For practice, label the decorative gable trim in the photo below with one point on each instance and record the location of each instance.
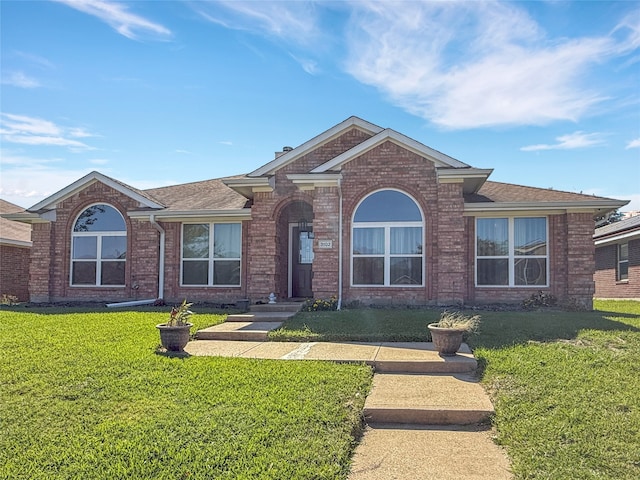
(50, 203)
(309, 181)
(439, 159)
(332, 133)
(471, 178)
(246, 186)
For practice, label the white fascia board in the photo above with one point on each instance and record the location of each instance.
(28, 217)
(315, 142)
(626, 236)
(487, 208)
(194, 215)
(438, 158)
(247, 186)
(15, 243)
(50, 203)
(472, 178)
(307, 181)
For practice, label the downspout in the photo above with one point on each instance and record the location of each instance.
(155, 224)
(340, 245)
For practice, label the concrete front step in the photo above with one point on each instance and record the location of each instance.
(246, 331)
(434, 399)
(276, 307)
(260, 317)
(421, 357)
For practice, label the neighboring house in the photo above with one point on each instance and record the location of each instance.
(358, 212)
(15, 246)
(618, 259)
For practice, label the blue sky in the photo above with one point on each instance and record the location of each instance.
(156, 93)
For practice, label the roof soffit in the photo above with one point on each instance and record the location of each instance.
(247, 186)
(334, 132)
(50, 202)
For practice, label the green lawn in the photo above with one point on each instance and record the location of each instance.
(566, 385)
(85, 395)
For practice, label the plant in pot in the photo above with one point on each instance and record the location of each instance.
(448, 332)
(174, 335)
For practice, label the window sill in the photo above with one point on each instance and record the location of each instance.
(622, 282)
(527, 287)
(98, 286)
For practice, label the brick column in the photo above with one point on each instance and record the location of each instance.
(580, 260)
(40, 264)
(326, 207)
(261, 252)
(450, 275)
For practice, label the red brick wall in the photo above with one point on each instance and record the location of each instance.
(606, 268)
(51, 253)
(570, 265)
(400, 169)
(174, 293)
(14, 271)
(268, 250)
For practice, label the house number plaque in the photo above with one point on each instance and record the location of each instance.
(325, 243)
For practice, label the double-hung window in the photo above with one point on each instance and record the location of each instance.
(622, 272)
(511, 251)
(211, 254)
(387, 241)
(99, 247)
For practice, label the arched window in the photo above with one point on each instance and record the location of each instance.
(387, 241)
(99, 247)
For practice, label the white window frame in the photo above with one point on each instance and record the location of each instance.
(387, 255)
(511, 256)
(98, 260)
(210, 259)
(619, 262)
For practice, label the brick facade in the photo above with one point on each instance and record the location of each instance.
(448, 242)
(14, 271)
(607, 284)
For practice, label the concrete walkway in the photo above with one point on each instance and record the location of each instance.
(424, 415)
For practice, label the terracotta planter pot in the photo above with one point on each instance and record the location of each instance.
(174, 339)
(446, 340)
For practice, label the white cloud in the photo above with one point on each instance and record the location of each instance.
(569, 142)
(99, 161)
(635, 143)
(117, 17)
(24, 130)
(293, 21)
(27, 180)
(19, 79)
(472, 64)
(634, 203)
(308, 65)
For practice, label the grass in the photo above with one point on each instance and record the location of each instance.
(565, 384)
(86, 395)
(567, 404)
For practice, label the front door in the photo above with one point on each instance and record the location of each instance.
(301, 261)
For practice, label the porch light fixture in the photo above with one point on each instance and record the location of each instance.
(303, 225)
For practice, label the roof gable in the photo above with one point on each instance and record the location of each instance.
(439, 159)
(327, 136)
(50, 202)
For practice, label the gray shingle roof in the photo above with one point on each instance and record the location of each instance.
(11, 230)
(205, 195)
(496, 192)
(628, 224)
